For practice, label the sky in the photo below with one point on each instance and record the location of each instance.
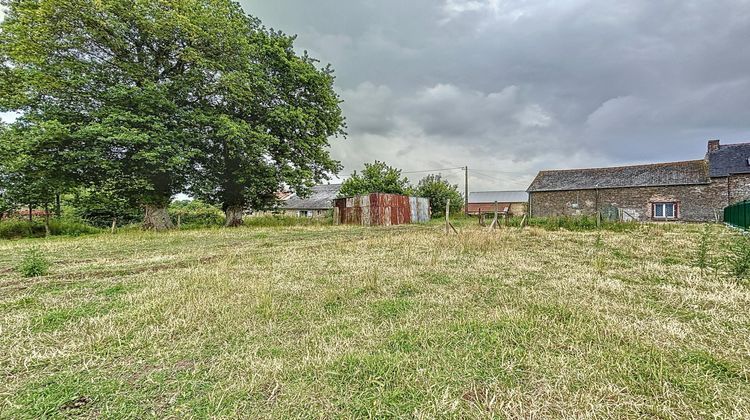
(513, 87)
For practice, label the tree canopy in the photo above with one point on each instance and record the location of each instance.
(439, 191)
(376, 177)
(150, 98)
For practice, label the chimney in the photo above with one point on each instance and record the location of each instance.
(713, 145)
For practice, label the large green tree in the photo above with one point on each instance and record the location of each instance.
(376, 177)
(269, 129)
(152, 97)
(439, 191)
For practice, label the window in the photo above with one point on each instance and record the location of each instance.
(665, 210)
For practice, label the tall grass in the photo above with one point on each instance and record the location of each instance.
(18, 228)
(282, 221)
(574, 223)
(315, 322)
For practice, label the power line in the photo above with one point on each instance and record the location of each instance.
(433, 170)
(418, 172)
(499, 172)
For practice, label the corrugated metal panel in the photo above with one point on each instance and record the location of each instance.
(420, 209)
(381, 210)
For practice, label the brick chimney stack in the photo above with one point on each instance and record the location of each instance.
(713, 145)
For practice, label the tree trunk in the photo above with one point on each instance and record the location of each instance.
(156, 218)
(234, 216)
(46, 221)
(58, 206)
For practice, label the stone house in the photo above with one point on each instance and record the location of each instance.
(695, 191)
(318, 204)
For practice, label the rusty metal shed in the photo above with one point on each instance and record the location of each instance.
(379, 209)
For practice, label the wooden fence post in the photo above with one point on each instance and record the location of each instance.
(523, 222)
(448, 224)
(114, 225)
(495, 224)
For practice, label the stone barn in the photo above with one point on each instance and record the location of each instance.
(695, 190)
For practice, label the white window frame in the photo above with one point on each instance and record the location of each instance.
(663, 206)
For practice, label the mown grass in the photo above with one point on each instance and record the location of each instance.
(323, 321)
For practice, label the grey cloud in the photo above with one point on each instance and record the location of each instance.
(519, 86)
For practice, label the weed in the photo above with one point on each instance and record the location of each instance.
(737, 257)
(598, 243)
(33, 264)
(701, 255)
(600, 263)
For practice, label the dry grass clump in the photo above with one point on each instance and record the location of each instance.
(319, 321)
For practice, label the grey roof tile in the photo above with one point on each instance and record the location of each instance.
(659, 174)
(321, 198)
(730, 159)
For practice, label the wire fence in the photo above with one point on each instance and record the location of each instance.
(738, 214)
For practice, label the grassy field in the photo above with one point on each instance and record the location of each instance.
(316, 321)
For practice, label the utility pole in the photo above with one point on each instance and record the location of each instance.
(466, 190)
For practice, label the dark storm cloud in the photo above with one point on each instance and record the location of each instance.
(517, 86)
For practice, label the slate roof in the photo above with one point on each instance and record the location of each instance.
(499, 196)
(730, 159)
(320, 198)
(660, 174)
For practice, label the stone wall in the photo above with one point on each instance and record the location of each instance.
(694, 202)
(739, 188)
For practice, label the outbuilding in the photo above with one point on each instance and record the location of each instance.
(380, 209)
(694, 190)
(511, 203)
(317, 204)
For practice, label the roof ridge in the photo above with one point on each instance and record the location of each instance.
(625, 166)
(734, 144)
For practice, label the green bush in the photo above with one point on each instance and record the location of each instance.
(439, 191)
(195, 214)
(33, 264)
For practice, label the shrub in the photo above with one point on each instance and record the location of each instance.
(702, 256)
(195, 213)
(17, 228)
(33, 264)
(737, 257)
(439, 191)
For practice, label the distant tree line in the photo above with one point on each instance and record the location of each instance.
(379, 177)
(131, 102)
